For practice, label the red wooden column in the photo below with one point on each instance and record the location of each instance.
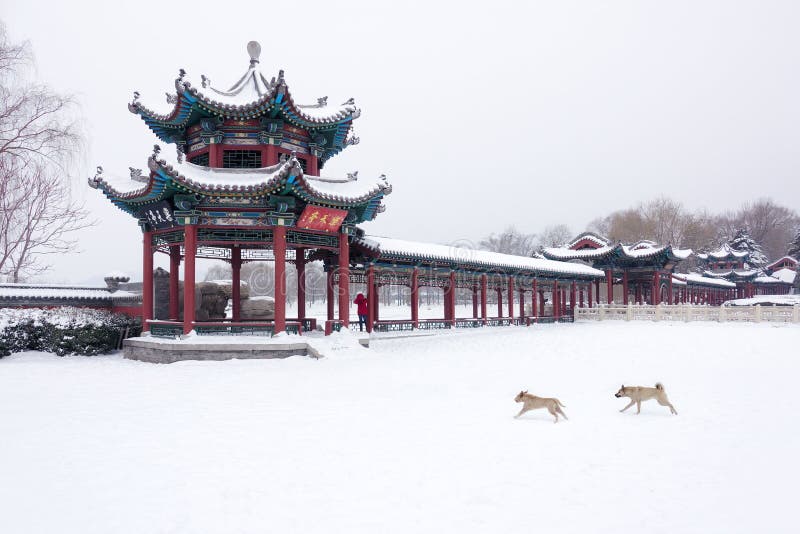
(534, 297)
(174, 265)
(511, 297)
(484, 289)
(453, 296)
(637, 293)
(521, 303)
(609, 287)
(474, 302)
(656, 293)
(589, 294)
(625, 287)
(190, 251)
(300, 265)
(572, 292)
(372, 297)
(597, 290)
(236, 281)
(499, 302)
(279, 248)
(147, 280)
(446, 302)
(670, 293)
(344, 279)
(556, 291)
(415, 297)
(329, 293)
(376, 309)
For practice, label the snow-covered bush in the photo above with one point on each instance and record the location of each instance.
(63, 331)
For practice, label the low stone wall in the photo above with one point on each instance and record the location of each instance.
(155, 350)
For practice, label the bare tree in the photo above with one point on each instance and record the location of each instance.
(768, 223)
(555, 235)
(510, 241)
(39, 139)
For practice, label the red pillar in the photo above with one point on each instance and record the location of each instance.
(372, 297)
(279, 248)
(534, 296)
(415, 297)
(499, 302)
(625, 287)
(484, 289)
(597, 291)
(572, 291)
(511, 297)
(190, 251)
(147, 280)
(300, 265)
(556, 291)
(344, 279)
(670, 293)
(521, 303)
(329, 293)
(474, 302)
(452, 301)
(589, 293)
(637, 293)
(609, 287)
(656, 293)
(236, 280)
(446, 302)
(174, 265)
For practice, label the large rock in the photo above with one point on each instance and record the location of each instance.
(258, 309)
(227, 287)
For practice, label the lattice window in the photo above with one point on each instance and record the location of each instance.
(200, 159)
(241, 159)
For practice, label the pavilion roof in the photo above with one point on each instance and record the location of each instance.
(252, 96)
(741, 275)
(723, 253)
(775, 263)
(169, 177)
(590, 237)
(619, 253)
(482, 260)
(781, 276)
(697, 279)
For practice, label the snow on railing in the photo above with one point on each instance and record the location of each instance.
(688, 312)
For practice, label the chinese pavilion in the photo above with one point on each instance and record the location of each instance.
(244, 185)
(644, 270)
(728, 264)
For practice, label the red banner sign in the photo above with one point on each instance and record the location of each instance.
(318, 218)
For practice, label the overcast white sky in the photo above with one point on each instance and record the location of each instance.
(482, 114)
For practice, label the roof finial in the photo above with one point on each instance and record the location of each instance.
(254, 49)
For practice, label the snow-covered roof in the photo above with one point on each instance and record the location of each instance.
(260, 181)
(62, 292)
(252, 95)
(599, 240)
(481, 259)
(735, 273)
(693, 278)
(724, 252)
(781, 276)
(786, 259)
(618, 250)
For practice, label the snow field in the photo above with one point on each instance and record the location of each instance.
(412, 435)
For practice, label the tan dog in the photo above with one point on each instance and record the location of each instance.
(532, 402)
(637, 394)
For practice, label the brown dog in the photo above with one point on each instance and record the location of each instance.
(532, 402)
(637, 394)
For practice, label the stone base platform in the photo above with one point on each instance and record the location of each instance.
(159, 350)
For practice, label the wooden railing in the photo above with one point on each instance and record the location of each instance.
(688, 312)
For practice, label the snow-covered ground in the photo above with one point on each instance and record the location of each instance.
(413, 435)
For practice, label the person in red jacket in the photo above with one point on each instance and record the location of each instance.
(361, 302)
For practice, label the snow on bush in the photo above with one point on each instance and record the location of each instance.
(65, 330)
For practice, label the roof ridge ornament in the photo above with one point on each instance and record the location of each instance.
(205, 81)
(254, 49)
